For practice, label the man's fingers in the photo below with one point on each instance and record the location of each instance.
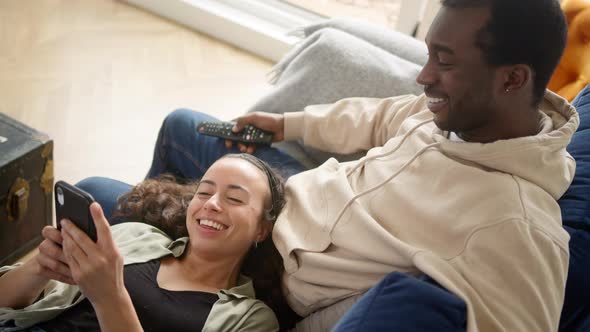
(244, 148)
(240, 123)
(237, 127)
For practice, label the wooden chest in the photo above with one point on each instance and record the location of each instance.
(26, 188)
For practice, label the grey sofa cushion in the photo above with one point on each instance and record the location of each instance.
(403, 46)
(332, 63)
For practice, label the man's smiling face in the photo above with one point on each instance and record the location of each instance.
(457, 80)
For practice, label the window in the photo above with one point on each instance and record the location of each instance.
(262, 26)
(383, 12)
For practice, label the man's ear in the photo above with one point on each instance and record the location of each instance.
(516, 77)
(264, 231)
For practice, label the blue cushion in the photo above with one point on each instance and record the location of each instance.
(404, 303)
(575, 203)
(575, 211)
(575, 316)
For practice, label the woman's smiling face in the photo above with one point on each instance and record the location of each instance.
(224, 218)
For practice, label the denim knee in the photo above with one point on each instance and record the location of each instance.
(181, 119)
(90, 183)
(180, 123)
(105, 191)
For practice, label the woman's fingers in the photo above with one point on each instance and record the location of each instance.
(50, 261)
(103, 228)
(73, 253)
(57, 268)
(51, 250)
(57, 276)
(97, 268)
(81, 239)
(51, 233)
(51, 258)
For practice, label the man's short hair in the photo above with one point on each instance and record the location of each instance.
(531, 32)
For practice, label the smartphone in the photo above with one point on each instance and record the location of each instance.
(73, 203)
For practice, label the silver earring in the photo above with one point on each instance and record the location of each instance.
(255, 245)
(507, 90)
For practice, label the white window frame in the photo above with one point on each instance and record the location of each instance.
(258, 26)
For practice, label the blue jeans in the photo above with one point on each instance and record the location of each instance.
(106, 192)
(183, 152)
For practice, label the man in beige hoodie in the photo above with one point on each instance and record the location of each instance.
(459, 184)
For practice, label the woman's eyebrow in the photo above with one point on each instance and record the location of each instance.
(235, 186)
(230, 186)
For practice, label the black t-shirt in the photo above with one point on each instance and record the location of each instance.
(158, 309)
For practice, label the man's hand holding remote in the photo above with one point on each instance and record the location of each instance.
(274, 123)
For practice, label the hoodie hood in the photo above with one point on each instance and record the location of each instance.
(541, 159)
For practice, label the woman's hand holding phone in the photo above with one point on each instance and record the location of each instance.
(70, 202)
(97, 267)
(50, 260)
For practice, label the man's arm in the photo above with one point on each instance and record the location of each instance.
(347, 126)
(351, 125)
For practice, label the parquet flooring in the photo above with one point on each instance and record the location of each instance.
(99, 76)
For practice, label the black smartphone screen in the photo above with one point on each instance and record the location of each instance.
(74, 204)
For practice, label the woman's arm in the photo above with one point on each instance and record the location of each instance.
(117, 314)
(21, 286)
(97, 268)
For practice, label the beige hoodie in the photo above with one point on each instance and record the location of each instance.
(480, 219)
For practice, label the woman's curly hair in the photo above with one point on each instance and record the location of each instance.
(162, 202)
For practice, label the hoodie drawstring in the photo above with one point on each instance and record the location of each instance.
(367, 191)
(401, 142)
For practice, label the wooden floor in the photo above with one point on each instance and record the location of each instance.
(100, 75)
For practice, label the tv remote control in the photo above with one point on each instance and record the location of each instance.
(249, 134)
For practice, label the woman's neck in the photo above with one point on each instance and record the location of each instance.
(197, 272)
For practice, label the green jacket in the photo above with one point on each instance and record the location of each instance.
(236, 310)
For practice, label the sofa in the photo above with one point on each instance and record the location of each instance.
(342, 58)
